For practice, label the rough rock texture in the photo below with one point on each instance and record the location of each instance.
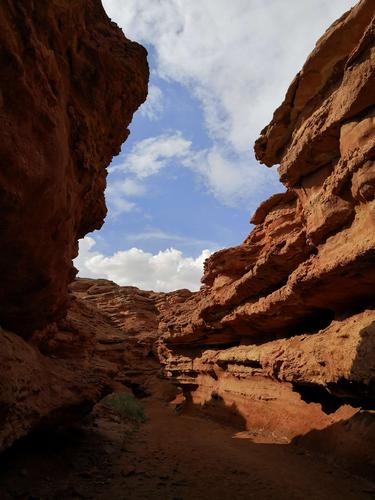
(135, 314)
(285, 387)
(306, 390)
(70, 83)
(283, 329)
(55, 379)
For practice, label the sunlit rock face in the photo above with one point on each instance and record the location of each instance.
(283, 329)
(70, 83)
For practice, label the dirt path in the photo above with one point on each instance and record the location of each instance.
(170, 457)
(190, 457)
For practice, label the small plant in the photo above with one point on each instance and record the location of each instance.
(126, 405)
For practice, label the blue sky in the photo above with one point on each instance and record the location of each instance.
(186, 181)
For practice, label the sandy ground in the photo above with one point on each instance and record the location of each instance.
(184, 456)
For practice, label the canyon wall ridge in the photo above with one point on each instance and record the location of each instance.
(70, 83)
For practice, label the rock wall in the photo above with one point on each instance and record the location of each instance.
(70, 83)
(56, 378)
(136, 315)
(283, 330)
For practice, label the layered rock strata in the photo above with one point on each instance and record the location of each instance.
(282, 331)
(70, 83)
(284, 387)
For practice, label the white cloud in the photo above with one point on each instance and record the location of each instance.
(165, 271)
(149, 156)
(154, 105)
(131, 187)
(118, 193)
(231, 179)
(237, 57)
(158, 234)
(146, 158)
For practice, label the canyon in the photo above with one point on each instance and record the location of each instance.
(277, 348)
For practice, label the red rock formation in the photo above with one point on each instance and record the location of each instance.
(282, 386)
(283, 329)
(135, 316)
(309, 384)
(70, 83)
(57, 378)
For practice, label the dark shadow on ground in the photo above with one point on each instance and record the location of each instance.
(349, 443)
(215, 409)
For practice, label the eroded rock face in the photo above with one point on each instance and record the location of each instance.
(285, 387)
(282, 330)
(70, 83)
(55, 379)
(134, 314)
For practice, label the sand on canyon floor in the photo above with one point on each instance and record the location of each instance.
(172, 456)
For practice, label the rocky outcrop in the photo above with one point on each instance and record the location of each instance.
(70, 83)
(55, 379)
(282, 331)
(285, 387)
(134, 314)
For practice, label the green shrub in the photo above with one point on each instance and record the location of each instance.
(126, 405)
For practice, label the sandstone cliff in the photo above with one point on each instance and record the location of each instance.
(70, 83)
(282, 330)
(135, 314)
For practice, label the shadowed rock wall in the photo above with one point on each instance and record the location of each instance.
(70, 83)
